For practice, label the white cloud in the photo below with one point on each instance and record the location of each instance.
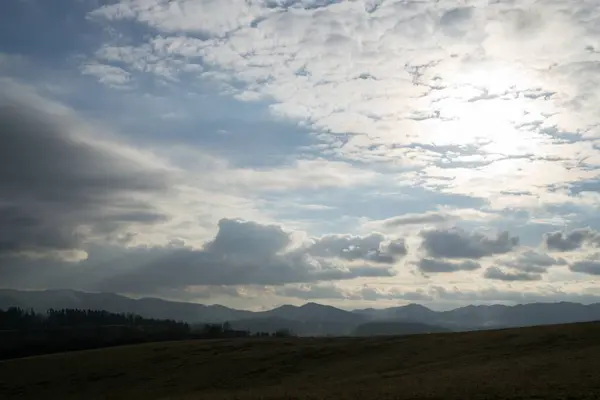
(212, 17)
(107, 74)
(443, 217)
(510, 276)
(486, 75)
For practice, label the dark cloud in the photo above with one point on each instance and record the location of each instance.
(585, 186)
(533, 262)
(498, 274)
(456, 243)
(374, 248)
(435, 266)
(456, 22)
(247, 239)
(590, 267)
(573, 240)
(303, 4)
(57, 189)
(242, 253)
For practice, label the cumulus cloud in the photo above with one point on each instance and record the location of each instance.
(60, 186)
(573, 240)
(241, 253)
(374, 247)
(531, 261)
(435, 266)
(590, 266)
(499, 274)
(457, 243)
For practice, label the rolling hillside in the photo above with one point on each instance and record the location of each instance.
(551, 362)
(386, 328)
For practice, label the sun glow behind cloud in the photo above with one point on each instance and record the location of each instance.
(487, 107)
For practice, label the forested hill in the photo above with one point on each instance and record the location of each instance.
(25, 333)
(16, 318)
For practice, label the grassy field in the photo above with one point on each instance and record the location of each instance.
(553, 362)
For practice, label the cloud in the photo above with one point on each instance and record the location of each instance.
(107, 74)
(247, 239)
(573, 240)
(312, 292)
(60, 186)
(443, 297)
(203, 17)
(457, 243)
(353, 293)
(590, 266)
(417, 219)
(371, 293)
(301, 174)
(531, 261)
(529, 295)
(368, 127)
(374, 248)
(443, 217)
(429, 265)
(241, 253)
(499, 274)
(471, 108)
(165, 58)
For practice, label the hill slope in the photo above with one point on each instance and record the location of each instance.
(383, 328)
(551, 362)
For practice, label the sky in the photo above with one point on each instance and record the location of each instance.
(253, 153)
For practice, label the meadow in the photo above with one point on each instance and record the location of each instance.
(549, 362)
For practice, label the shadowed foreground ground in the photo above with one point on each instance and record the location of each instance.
(555, 362)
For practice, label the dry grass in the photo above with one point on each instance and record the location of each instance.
(556, 362)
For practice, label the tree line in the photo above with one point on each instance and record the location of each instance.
(218, 331)
(16, 318)
(26, 332)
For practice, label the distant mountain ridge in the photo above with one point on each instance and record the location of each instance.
(310, 318)
(494, 316)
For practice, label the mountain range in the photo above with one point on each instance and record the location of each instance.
(313, 318)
